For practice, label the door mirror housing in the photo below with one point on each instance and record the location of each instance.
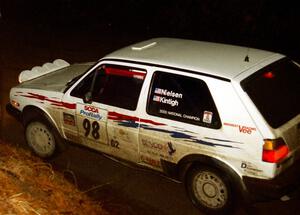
(88, 98)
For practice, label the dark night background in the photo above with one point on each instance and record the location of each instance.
(265, 24)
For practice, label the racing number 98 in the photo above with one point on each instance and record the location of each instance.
(92, 128)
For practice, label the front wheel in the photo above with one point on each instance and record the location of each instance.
(209, 190)
(41, 138)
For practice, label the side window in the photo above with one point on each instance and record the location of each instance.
(84, 86)
(113, 85)
(183, 99)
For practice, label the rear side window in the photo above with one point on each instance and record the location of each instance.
(113, 85)
(183, 99)
(275, 90)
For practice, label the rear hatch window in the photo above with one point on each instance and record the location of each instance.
(275, 90)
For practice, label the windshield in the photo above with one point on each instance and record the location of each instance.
(275, 90)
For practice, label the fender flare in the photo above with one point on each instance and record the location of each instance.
(32, 111)
(179, 171)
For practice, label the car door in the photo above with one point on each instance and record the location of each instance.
(88, 124)
(106, 109)
(182, 117)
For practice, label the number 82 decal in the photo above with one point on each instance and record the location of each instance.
(91, 128)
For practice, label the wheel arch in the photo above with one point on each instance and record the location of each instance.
(30, 111)
(191, 161)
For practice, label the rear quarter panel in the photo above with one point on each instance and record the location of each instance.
(239, 129)
(238, 143)
(289, 131)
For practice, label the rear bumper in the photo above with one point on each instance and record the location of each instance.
(286, 183)
(14, 112)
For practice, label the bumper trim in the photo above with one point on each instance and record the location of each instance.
(273, 189)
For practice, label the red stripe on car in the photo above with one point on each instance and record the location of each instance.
(118, 116)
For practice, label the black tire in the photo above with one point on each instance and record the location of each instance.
(42, 137)
(210, 190)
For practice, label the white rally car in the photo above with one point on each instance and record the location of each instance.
(223, 119)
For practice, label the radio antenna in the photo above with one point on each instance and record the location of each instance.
(247, 56)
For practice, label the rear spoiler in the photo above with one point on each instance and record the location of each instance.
(38, 71)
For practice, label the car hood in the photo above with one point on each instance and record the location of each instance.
(57, 80)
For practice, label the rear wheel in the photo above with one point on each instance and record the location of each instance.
(42, 138)
(210, 190)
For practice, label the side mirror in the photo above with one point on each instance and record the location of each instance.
(88, 98)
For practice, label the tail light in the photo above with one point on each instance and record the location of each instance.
(274, 150)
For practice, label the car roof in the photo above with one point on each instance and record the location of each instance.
(216, 59)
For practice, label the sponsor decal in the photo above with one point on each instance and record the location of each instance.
(249, 168)
(91, 108)
(176, 114)
(69, 119)
(150, 161)
(157, 154)
(172, 113)
(91, 112)
(195, 118)
(207, 117)
(245, 129)
(52, 101)
(159, 149)
(241, 128)
(171, 148)
(153, 145)
(115, 144)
